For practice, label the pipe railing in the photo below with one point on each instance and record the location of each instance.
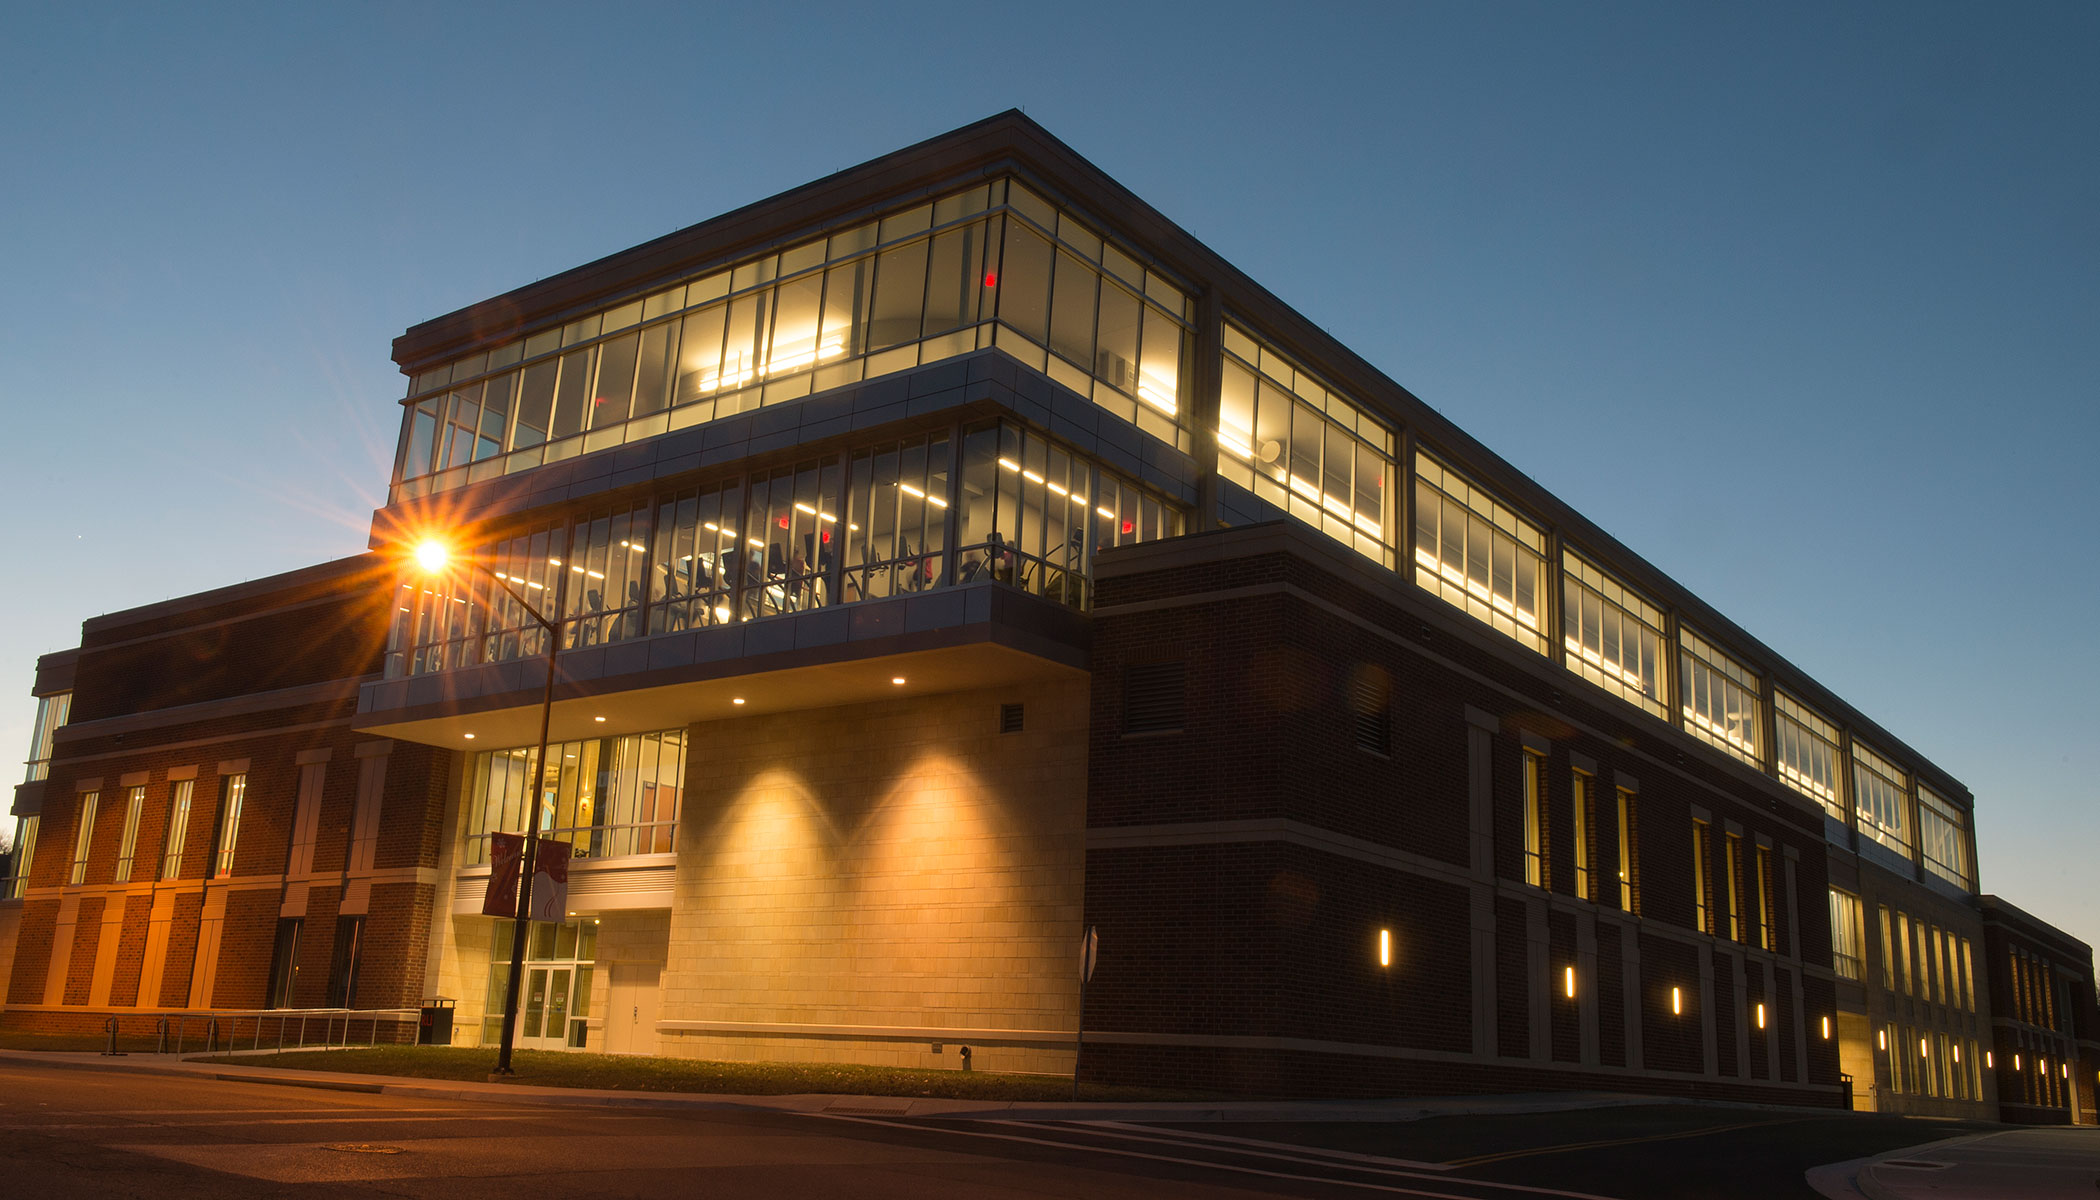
(228, 1028)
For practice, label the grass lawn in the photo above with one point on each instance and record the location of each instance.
(550, 1068)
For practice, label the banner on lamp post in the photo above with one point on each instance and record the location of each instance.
(506, 859)
(550, 880)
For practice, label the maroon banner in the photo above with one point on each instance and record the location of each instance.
(506, 859)
(550, 880)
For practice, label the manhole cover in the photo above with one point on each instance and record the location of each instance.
(362, 1148)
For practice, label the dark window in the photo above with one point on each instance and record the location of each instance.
(1010, 718)
(343, 965)
(1153, 697)
(284, 963)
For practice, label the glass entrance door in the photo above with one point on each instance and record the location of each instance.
(554, 1004)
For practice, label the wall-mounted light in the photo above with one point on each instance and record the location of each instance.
(1881, 1039)
(1989, 1060)
(1957, 1052)
(1924, 1048)
(1826, 1029)
(1760, 1016)
(1676, 1002)
(1568, 981)
(1385, 947)
(2016, 1062)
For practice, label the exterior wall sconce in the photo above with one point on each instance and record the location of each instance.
(1385, 947)
(1568, 981)
(1826, 1029)
(1760, 1016)
(1676, 1002)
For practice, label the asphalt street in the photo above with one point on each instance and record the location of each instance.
(126, 1133)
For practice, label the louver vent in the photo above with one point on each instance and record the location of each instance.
(1370, 708)
(1152, 697)
(1009, 718)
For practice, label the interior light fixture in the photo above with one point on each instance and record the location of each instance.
(600, 720)
(736, 700)
(898, 680)
(470, 737)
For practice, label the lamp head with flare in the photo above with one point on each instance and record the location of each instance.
(432, 555)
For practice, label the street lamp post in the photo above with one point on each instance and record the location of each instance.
(434, 557)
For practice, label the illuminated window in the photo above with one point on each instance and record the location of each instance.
(1478, 555)
(1702, 851)
(1847, 937)
(83, 833)
(1880, 791)
(1614, 637)
(178, 830)
(1582, 810)
(127, 846)
(1292, 440)
(1888, 952)
(1720, 698)
(1807, 753)
(1629, 865)
(607, 797)
(1534, 823)
(1943, 836)
(233, 789)
(1903, 952)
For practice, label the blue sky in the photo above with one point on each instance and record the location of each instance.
(1802, 302)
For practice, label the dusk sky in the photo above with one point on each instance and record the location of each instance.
(1801, 302)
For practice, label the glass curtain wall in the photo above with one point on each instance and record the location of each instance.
(1881, 791)
(1720, 698)
(1943, 835)
(914, 287)
(1286, 436)
(1807, 753)
(869, 523)
(1478, 555)
(1614, 635)
(607, 797)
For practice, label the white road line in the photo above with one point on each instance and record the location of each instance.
(1310, 1155)
(1348, 1155)
(1361, 1185)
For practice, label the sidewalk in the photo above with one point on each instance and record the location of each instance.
(2043, 1163)
(1410, 1109)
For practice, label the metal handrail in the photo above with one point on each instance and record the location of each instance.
(291, 1025)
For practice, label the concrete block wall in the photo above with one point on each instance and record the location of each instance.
(899, 866)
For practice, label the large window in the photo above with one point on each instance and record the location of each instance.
(1534, 819)
(872, 522)
(606, 797)
(1847, 936)
(992, 264)
(1720, 698)
(178, 830)
(1292, 440)
(1807, 753)
(233, 789)
(14, 878)
(50, 714)
(83, 835)
(1881, 792)
(1702, 856)
(1629, 844)
(1477, 554)
(127, 846)
(1943, 834)
(1614, 636)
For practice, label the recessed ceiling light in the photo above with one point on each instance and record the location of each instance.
(737, 700)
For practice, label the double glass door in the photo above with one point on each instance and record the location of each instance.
(554, 1005)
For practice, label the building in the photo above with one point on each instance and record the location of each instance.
(2045, 1031)
(952, 555)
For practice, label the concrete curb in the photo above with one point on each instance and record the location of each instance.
(1413, 1108)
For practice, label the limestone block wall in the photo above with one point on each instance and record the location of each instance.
(858, 883)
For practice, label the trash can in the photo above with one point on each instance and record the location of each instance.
(435, 1029)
